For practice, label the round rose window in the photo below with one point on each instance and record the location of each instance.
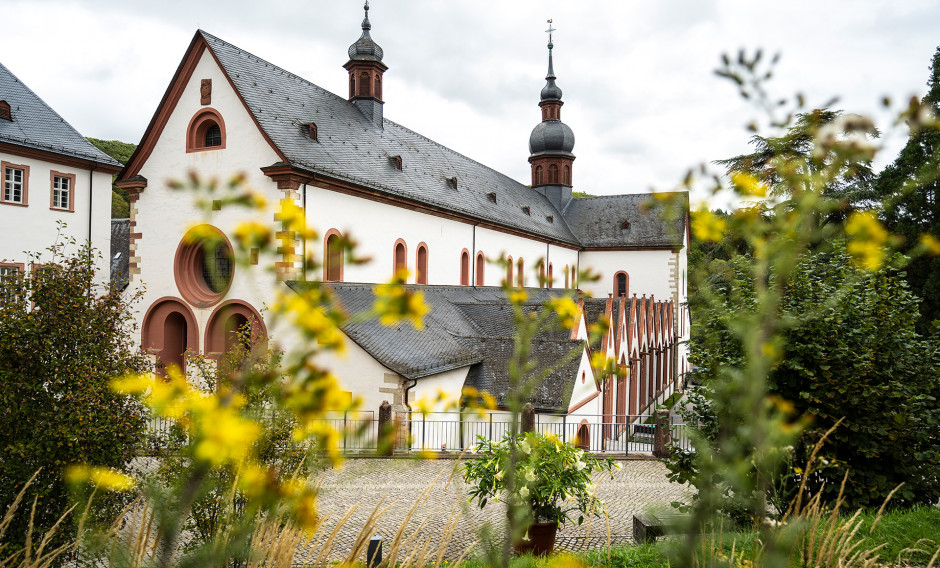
(203, 266)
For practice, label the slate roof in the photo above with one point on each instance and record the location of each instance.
(467, 326)
(598, 222)
(35, 125)
(351, 148)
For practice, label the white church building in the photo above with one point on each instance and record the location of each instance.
(411, 203)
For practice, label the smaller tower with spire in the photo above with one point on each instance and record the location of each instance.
(365, 73)
(551, 142)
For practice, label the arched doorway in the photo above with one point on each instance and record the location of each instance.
(169, 330)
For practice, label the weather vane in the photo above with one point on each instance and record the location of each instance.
(549, 32)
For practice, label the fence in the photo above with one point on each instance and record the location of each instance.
(458, 431)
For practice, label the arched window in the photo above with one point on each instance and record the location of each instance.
(621, 284)
(509, 267)
(584, 436)
(352, 86)
(566, 276)
(538, 175)
(567, 180)
(421, 264)
(333, 253)
(206, 131)
(541, 275)
(574, 277)
(465, 268)
(400, 257)
(378, 86)
(365, 86)
(520, 273)
(553, 174)
(481, 264)
(227, 325)
(551, 277)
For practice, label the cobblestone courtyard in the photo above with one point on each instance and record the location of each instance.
(640, 485)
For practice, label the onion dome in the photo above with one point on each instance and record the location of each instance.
(551, 136)
(365, 49)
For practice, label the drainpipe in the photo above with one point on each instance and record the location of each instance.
(408, 388)
(473, 258)
(91, 175)
(545, 269)
(303, 246)
(578, 269)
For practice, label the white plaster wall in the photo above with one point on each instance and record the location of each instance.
(376, 227)
(34, 228)
(648, 270)
(164, 215)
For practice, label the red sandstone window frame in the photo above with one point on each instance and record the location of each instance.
(189, 262)
(19, 268)
(464, 267)
(549, 281)
(481, 265)
(196, 131)
(70, 206)
(520, 272)
(399, 257)
(333, 260)
(24, 190)
(566, 276)
(509, 270)
(626, 275)
(421, 263)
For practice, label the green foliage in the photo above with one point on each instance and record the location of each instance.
(910, 188)
(122, 152)
(582, 194)
(853, 353)
(552, 478)
(61, 342)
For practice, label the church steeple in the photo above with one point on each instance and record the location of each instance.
(365, 73)
(551, 142)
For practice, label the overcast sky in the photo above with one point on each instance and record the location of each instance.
(638, 77)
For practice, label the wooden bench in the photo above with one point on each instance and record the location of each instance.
(648, 526)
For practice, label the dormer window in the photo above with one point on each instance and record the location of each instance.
(453, 182)
(526, 210)
(5, 111)
(491, 196)
(624, 225)
(312, 131)
(206, 131)
(550, 218)
(395, 161)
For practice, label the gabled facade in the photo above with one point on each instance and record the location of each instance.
(51, 175)
(408, 202)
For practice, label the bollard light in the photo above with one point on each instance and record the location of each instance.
(374, 552)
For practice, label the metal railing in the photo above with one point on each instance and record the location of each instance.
(458, 431)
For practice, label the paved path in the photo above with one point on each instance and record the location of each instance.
(640, 485)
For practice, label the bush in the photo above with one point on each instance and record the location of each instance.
(60, 345)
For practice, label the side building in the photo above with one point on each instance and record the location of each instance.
(51, 176)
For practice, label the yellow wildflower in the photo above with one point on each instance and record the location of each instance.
(567, 310)
(252, 234)
(931, 243)
(746, 184)
(394, 302)
(867, 237)
(518, 296)
(706, 226)
(101, 477)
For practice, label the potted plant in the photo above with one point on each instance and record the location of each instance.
(548, 479)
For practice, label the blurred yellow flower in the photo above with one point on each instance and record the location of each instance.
(706, 226)
(931, 243)
(867, 238)
(567, 310)
(746, 184)
(101, 477)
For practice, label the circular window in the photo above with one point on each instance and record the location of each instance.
(204, 266)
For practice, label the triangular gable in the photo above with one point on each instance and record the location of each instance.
(171, 97)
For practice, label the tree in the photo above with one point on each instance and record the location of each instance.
(911, 189)
(809, 148)
(122, 152)
(854, 355)
(60, 345)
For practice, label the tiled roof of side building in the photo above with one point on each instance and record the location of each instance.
(35, 125)
(467, 326)
(352, 149)
(624, 221)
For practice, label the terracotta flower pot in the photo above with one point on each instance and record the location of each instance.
(541, 540)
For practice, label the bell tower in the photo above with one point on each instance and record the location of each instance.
(365, 73)
(551, 142)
